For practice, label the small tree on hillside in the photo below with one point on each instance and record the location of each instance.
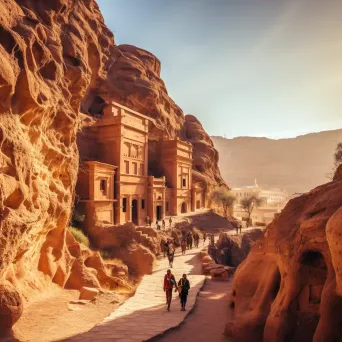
(337, 161)
(248, 204)
(223, 198)
(338, 156)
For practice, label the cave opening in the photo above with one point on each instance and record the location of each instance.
(97, 106)
(312, 275)
(313, 259)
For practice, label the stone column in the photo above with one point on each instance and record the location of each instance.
(129, 209)
(193, 198)
(139, 212)
(164, 203)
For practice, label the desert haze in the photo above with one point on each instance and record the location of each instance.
(296, 165)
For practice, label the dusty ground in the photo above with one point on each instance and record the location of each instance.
(51, 317)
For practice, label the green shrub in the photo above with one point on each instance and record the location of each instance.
(79, 236)
(106, 253)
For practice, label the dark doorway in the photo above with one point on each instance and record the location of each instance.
(184, 209)
(135, 211)
(198, 204)
(159, 212)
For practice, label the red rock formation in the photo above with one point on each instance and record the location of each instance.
(290, 286)
(51, 53)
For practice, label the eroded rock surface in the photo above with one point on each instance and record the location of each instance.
(289, 287)
(231, 250)
(51, 53)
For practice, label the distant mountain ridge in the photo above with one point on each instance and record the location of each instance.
(295, 164)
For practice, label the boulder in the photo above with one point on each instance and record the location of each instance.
(219, 274)
(88, 293)
(11, 307)
(206, 259)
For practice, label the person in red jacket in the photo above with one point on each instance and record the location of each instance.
(169, 283)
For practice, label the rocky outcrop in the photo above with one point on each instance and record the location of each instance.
(231, 250)
(205, 156)
(52, 53)
(290, 286)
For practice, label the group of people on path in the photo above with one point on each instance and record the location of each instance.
(182, 288)
(239, 228)
(148, 223)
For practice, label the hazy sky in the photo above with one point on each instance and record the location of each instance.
(243, 67)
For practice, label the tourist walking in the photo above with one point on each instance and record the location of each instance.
(170, 221)
(158, 226)
(147, 220)
(171, 253)
(183, 289)
(163, 224)
(150, 222)
(204, 238)
(165, 248)
(240, 228)
(183, 246)
(189, 240)
(237, 230)
(212, 239)
(196, 240)
(169, 283)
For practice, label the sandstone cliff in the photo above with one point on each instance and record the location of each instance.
(51, 53)
(290, 286)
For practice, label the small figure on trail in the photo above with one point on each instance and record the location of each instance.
(196, 240)
(237, 230)
(147, 220)
(212, 240)
(189, 240)
(163, 224)
(240, 228)
(150, 222)
(171, 253)
(183, 290)
(183, 246)
(158, 226)
(204, 238)
(165, 248)
(170, 221)
(169, 283)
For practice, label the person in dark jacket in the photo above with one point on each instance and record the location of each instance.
(183, 289)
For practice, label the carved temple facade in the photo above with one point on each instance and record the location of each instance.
(116, 188)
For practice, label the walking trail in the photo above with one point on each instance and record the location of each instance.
(207, 320)
(144, 315)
